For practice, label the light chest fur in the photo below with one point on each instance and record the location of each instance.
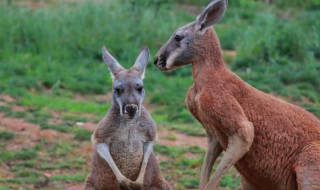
(126, 147)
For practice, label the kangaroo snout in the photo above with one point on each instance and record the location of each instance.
(160, 61)
(130, 109)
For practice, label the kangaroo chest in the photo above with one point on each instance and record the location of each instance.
(247, 166)
(210, 125)
(126, 149)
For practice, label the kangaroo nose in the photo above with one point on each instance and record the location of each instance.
(156, 59)
(131, 109)
(160, 61)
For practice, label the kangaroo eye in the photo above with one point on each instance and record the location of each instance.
(139, 88)
(178, 38)
(119, 90)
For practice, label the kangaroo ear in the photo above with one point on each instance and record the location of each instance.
(111, 62)
(142, 61)
(211, 14)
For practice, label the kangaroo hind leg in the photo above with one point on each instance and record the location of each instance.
(245, 185)
(89, 183)
(308, 168)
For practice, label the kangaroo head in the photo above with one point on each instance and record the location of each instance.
(187, 42)
(128, 91)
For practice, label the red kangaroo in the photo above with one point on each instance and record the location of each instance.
(273, 144)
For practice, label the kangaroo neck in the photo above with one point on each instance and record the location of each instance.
(207, 67)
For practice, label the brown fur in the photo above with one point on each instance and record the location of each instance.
(102, 177)
(285, 136)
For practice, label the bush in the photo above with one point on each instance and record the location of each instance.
(272, 41)
(6, 135)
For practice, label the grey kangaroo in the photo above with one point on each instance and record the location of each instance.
(123, 157)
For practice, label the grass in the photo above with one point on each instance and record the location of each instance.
(69, 177)
(186, 169)
(82, 134)
(5, 109)
(54, 55)
(24, 154)
(280, 52)
(64, 104)
(6, 135)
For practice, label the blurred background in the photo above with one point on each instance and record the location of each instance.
(54, 87)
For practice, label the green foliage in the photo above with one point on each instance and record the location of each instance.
(60, 149)
(26, 176)
(26, 154)
(18, 114)
(23, 154)
(190, 182)
(193, 130)
(26, 164)
(273, 40)
(5, 109)
(82, 134)
(6, 155)
(174, 151)
(57, 127)
(229, 181)
(73, 164)
(63, 104)
(76, 65)
(69, 177)
(6, 135)
(74, 118)
(310, 4)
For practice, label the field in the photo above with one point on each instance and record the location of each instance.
(54, 87)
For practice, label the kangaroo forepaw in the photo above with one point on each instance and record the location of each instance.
(135, 186)
(129, 185)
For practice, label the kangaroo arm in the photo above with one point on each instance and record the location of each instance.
(147, 152)
(103, 151)
(213, 151)
(238, 145)
(236, 127)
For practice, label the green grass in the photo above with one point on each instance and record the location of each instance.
(50, 60)
(82, 134)
(186, 168)
(74, 118)
(64, 104)
(25, 176)
(229, 181)
(26, 164)
(18, 114)
(23, 154)
(5, 109)
(193, 130)
(280, 52)
(71, 163)
(57, 127)
(178, 167)
(6, 135)
(60, 149)
(69, 177)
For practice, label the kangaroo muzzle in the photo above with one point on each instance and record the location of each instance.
(131, 109)
(160, 61)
